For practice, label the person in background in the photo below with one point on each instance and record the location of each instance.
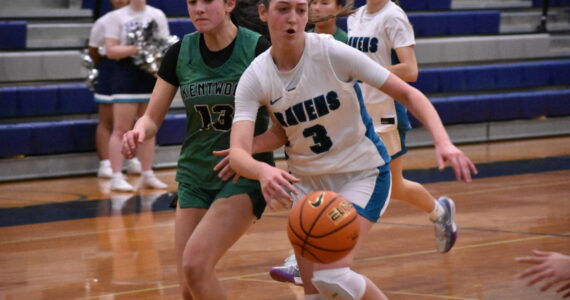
(379, 29)
(131, 88)
(103, 97)
(328, 11)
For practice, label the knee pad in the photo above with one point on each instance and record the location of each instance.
(341, 284)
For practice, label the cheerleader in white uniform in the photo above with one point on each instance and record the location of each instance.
(131, 88)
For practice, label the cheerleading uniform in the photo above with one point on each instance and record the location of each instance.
(131, 83)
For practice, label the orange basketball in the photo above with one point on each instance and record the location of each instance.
(323, 227)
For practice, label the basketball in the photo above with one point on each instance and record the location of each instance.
(323, 227)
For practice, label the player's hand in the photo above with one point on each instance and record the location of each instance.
(277, 184)
(225, 170)
(131, 139)
(551, 266)
(462, 166)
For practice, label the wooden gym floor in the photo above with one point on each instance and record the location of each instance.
(70, 238)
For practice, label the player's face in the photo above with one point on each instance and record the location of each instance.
(286, 18)
(119, 3)
(323, 8)
(208, 15)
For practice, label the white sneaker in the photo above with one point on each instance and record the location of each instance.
(119, 183)
(105, 170)
(134, 166)
(152, 182)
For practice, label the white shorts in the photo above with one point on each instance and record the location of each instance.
(368, 190)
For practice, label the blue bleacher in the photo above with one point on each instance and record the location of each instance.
(27, 101)
(59, 137)
(495, 76)
(63, 99)
(501, 106)
(13, 35)
(450, 23)
(538, 3)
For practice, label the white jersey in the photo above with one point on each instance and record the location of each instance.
(97, 35)
(376, 35)
(323, 116)
(125, 19)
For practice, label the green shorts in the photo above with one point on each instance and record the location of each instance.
(190, 195)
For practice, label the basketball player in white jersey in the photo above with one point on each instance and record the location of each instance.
(308, 83)
(377, 29)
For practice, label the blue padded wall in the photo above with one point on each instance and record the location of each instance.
(13, 34)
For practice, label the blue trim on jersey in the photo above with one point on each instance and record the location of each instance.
(131, 100)
(369, 124)
(380, 196)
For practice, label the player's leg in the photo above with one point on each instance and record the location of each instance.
(185, 222)
(441, 212)
(233, 211)
(102, 136)
(224, 223)
(124, 115)
(337, 278)
(369, 191)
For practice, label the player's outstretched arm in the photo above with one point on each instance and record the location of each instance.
(418, 104)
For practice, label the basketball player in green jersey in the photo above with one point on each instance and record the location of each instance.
(327, 12)
(211, 213)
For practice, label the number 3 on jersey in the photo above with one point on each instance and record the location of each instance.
(224, 113)
(323, 142)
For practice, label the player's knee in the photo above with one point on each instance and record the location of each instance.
(341, 283)
(194, 270)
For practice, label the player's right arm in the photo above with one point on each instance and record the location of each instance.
(273, 181)
(160, 100)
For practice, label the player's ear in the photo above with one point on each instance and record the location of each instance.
(230, 5)
(262, 11)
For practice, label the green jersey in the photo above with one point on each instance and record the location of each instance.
(340, 35)
(208, 95)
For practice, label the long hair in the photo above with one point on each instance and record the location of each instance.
(245, 14)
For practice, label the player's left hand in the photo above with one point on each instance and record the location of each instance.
(553, 267)
(462, 166)
(225, 170)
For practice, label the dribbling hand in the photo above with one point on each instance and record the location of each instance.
(275, 184)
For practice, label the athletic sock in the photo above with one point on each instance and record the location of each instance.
(437, 212)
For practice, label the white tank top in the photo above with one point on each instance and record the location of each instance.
(376, 35)
(324, 118)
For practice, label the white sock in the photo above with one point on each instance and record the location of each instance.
(437, 212)
(148, 173)
(105, 162)
(117, 175)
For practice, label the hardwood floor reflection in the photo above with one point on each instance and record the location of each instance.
(75, 240)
